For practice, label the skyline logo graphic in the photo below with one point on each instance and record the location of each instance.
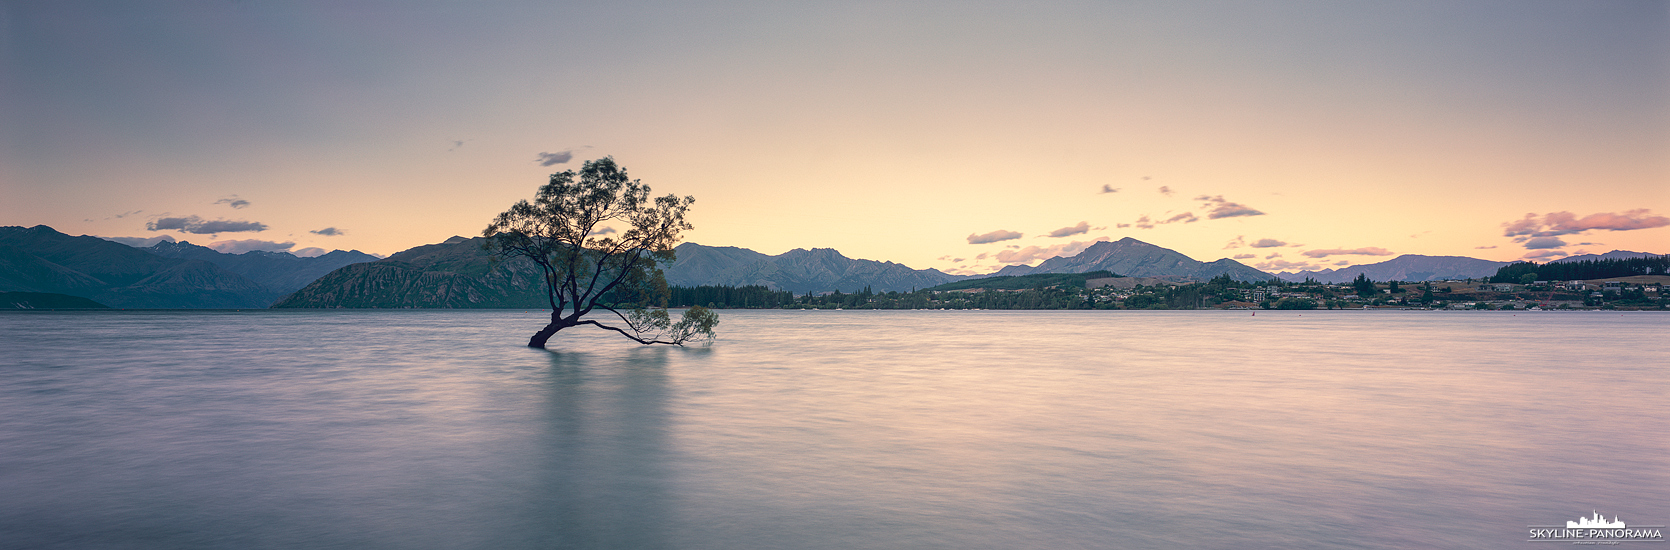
(1598, 522)
(1596, 529)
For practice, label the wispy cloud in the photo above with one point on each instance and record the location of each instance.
(1268, 243)
(1566, 223)
(1033, 253)
(1109, 189)
(1539, 243)
(1284, 265)
(328, 232)
(553, 159)
(995, 236)
(199, 226)
(249, 245)
(1081, 228)
(1542, 254)
(1245, 256)
(1166, 190)
(1144, 223)
(1484, 247)
(233, 201)
(1240, 241)
(1365, 251)
(1186, 217)
(1216, 207)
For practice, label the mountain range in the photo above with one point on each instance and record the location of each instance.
(1134, 258)
(459, 273)
(1408, 267)
(41, 259)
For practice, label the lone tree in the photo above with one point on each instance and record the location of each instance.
(585, 269)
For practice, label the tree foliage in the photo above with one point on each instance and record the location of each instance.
(588, 264)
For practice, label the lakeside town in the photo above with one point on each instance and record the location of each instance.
(1103, 291)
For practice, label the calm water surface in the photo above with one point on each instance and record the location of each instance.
(837, 430)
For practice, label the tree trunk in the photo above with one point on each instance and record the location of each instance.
(544, 334)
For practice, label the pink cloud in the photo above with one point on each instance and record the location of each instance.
(1220, 208)
(1365, 251)
(1567, 223)
(995, 236)
(1081, 228)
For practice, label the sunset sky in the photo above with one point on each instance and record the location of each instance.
(953, 135)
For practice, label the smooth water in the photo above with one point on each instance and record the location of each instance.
(837, 430)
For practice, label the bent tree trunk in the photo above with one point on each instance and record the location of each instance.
(544, 335)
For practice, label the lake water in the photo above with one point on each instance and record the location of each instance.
(829, 430)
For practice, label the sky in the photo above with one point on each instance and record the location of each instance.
(962, 136)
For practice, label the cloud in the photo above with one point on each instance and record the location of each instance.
(958, 261)
(1217, 207)
(1186, 217)
(1109, 189)
(1343, 262)
(1144, 223)
(1273, 255)
(233, 201)
(1484, 247)
(225, 226)
(1121, 225)
(1268, 243)
(167, 224)
(1165, 190)
(1245, 256)
(328, 232)
(995, 236)
(604, 231)
(1284, 265)
(1544, 254)
(982, 255)
(140, 242)
(248, 245)
(1240, 241)
(1566, 223)
(1032, 253)
(1365, 251)
(309, 252)
(1081, 228)
(199, 226)
(456, 144)
(553, 159)
(1544, 242)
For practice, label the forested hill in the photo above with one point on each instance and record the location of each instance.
(800, 271)
(456, 273)
(1584, 270)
